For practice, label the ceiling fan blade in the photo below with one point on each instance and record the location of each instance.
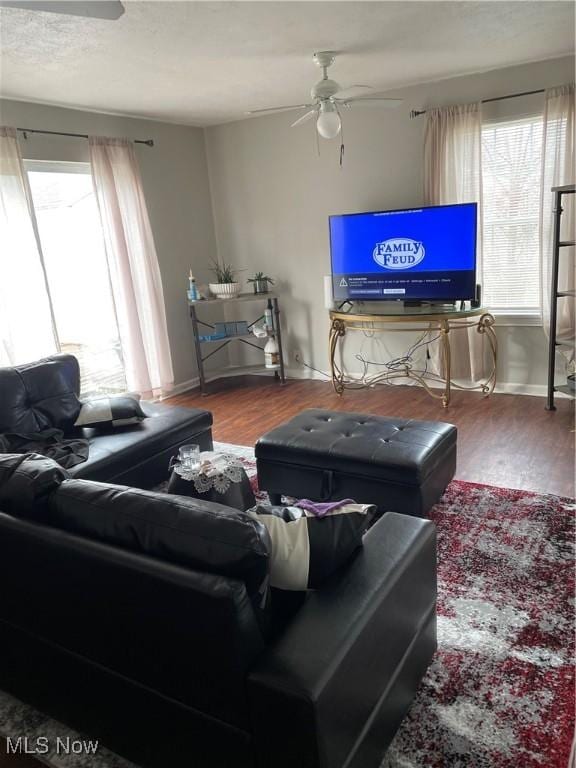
(271, 110)
(95, 9)
(305, 118)
(375, 102)
(353, 91)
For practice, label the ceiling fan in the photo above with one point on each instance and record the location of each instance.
(93, 9)
(328, 98)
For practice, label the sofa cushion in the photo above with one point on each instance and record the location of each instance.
(116, 453)
(40, 395)
(16, 412)
(26, 482)
(201, 535)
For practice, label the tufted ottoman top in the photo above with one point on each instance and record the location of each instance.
(402, 450)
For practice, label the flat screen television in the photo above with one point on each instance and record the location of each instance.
(416, 254)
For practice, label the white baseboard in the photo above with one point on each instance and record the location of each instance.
(184, 386)
(504, 388)
(221, 373)
(306, 373)
(535, 390)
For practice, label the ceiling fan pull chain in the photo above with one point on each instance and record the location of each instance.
(342, 147)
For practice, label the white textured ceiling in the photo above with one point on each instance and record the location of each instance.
(203, 63)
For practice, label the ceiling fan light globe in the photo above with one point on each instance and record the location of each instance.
(329, 124)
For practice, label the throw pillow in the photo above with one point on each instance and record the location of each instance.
(306, 548)
(121, 411)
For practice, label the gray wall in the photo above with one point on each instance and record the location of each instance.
(256, 193)
(175, 178)
(272, 195)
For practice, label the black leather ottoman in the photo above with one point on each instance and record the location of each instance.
(402, 465)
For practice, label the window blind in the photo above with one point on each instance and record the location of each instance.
(511, 181)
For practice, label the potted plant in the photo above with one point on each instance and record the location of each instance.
(226, 286)
(261, 282)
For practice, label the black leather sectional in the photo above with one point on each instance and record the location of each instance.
(44, 394)
(144, 620)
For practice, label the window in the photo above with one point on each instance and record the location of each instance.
(77, 272)
(511, 183)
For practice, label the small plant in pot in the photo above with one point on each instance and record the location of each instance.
(261, 282)
(226, 285)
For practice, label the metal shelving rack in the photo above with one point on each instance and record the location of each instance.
(248, 339)
(555, 294)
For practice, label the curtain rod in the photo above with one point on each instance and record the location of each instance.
(417, 112)
(148, 142)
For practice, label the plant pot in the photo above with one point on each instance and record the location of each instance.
(224, 290)
(260, 286)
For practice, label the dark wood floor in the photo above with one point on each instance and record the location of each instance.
(505, 440)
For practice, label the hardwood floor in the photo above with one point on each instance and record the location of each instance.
(505, 440)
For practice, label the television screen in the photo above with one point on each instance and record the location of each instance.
(418, 254)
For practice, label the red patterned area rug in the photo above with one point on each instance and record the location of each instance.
(500, 691)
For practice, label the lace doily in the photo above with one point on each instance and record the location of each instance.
(216, 470)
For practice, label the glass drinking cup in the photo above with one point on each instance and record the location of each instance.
(189, 456)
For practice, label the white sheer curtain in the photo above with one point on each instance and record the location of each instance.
(453, 174)
(27, 329)
(558, 160)
(133, 264)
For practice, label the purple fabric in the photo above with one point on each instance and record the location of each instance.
(320, 509)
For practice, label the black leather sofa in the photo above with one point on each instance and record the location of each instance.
(44, 394)
(139, 619)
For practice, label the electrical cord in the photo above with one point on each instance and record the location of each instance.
(368, 330)
(311, 367)
(395, 365)
(403, 363)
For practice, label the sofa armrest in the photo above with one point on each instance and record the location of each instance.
(334, 688)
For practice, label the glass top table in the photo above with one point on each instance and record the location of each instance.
(439, 323)
(395, 311)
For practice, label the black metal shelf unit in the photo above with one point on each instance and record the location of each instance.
(245, 338)
(555, 294)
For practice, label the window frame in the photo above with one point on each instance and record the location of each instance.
(69, 167)
(512, 316)
(57, 166)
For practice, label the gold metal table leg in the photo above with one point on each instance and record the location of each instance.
(445, 342)
(337, 331)
(486, 326)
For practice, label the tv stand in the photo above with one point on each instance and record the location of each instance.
(440, 321)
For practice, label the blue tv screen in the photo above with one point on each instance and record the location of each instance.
(417, 254)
